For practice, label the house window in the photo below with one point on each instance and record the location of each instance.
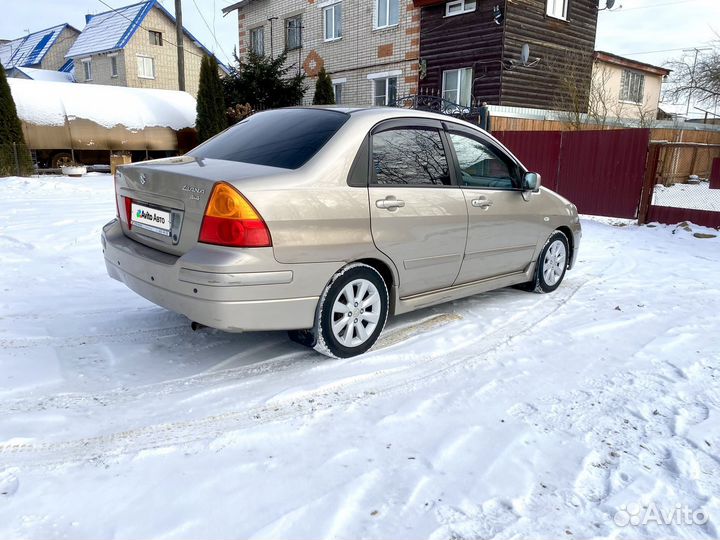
(332, 22)
(87, 69)
(384, 91)
(113, 66)
(257, 40)
(457, 86)
(458, 7)
(146, 67)
(293, 33)
(388, 13)
(557, 8)
(338, 89)
(632, 86)
(155, 37)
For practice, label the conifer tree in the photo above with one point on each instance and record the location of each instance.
(324, 93)
(211, 118)
(14, 154)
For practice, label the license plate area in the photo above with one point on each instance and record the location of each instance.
(152, 219)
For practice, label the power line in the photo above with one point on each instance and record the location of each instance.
(653, 6)
(165, 40)
(659, 51)
(211, 31)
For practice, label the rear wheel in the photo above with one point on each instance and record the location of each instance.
(61, 159)
(351, 315)
(551, 265)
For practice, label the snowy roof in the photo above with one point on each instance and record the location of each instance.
(46, 75)
(51, 104)
(31, 49)
(112, 30)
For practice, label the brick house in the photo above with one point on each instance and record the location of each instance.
(134, 46)
(44, 49)
(369, 47)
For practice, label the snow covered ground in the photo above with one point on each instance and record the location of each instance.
(507, 414)
(695, 196)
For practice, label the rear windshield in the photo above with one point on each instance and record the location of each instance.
(285, 138)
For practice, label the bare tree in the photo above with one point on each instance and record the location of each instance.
(572, 70)
(696, 77)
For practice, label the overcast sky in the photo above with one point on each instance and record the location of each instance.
(636, 30)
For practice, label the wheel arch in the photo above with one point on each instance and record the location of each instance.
(388, 275)
(571, 241)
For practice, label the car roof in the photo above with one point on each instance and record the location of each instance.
(378, 114)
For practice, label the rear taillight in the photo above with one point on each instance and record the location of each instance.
(230, 220)
(128, 211)
(115, 185)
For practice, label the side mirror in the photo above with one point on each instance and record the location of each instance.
(531, 182)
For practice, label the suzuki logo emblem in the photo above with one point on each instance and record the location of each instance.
(143, 179)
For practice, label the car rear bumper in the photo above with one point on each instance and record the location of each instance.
(228, 298)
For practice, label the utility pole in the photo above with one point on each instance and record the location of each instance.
(180, 47)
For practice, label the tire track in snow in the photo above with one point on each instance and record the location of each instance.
(423, 372)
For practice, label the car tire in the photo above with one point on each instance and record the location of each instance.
(551, 265)
(351, 313)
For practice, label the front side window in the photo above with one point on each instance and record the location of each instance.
(409, 157)
(457, 86)
(387, 13)
(257, 41)
(293, 33)
(480, 165)
(458, 7)
(384, 91)
(332, 22)
(284, 138)
(557, 8)
(87, 69)
(632, 87)
(146, 67)
(155, 37)
(113, 66)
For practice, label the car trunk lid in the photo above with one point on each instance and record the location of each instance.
(162, 203)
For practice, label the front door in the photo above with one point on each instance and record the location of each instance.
(504, 227)
(419, 218)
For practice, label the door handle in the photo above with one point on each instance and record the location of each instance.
(389, 204)
(481, 203)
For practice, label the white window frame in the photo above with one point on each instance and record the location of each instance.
(462, 74)
(466, 6)
(626, 86)
(87, 68)
(113, 65)
(332, 7)
(557, 9)
(341, 84)
(253, 31)
(141, 66)
(386, 75)
(385, 6)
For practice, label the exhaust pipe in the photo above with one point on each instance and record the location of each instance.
(196, 326)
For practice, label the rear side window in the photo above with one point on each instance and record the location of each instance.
(285, 138)
(409, 157)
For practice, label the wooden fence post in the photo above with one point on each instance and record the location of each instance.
(649, 182)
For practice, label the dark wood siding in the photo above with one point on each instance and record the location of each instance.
(561, 80)
(462, 41)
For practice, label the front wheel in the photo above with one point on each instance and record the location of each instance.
(551, 265)
(352, 312)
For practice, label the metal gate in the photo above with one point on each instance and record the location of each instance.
(601, 172)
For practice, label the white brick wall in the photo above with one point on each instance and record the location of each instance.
(362, 50)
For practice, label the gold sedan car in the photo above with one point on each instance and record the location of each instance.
(325, 221)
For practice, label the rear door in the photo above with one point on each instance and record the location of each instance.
(504, 225)
(418, 215)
